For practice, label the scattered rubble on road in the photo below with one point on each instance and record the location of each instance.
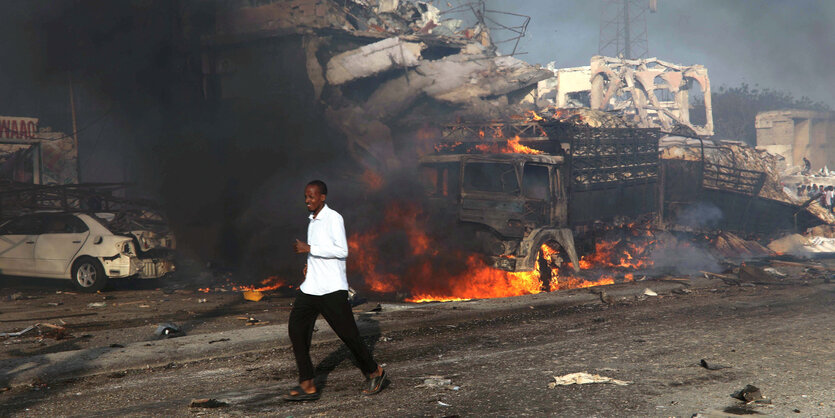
(711, 365)
(18, 333)
(168, 330)
(749, 393)
(435, 382)
(206, 403)
(582, 378)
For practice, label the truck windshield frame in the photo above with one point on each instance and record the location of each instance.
(491, 177)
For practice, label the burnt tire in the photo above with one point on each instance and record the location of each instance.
(88, 275)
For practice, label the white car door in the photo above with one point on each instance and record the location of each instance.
(62, 237)
(17, 245)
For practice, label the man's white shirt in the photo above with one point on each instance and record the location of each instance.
(328, 252)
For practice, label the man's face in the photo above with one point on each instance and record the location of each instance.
(314, 199)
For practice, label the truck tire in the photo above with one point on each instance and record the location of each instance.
(88, 275)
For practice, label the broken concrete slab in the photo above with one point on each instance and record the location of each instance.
(373, 59)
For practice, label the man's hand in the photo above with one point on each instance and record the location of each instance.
(301, 247)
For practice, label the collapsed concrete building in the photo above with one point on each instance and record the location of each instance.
(382, 70)
(649, 92)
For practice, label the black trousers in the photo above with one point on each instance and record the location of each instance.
(335, 308)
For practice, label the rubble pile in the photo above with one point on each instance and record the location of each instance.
(383, 69)
(584, 116)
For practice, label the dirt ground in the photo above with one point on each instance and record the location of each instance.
(499, 361)
(132, 311)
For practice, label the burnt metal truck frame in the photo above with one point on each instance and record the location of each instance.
(515, 202)
(522, 201)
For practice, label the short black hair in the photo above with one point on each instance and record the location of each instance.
(323, 188)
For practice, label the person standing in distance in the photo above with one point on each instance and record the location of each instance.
(325, 291)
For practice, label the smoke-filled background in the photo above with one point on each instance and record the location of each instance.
(230, 170)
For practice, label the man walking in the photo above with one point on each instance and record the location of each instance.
(325, 291)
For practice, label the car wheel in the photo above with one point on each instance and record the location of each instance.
(88, 275)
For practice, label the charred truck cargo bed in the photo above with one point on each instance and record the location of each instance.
(612, 171)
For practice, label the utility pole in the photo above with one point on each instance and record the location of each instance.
(74, 131)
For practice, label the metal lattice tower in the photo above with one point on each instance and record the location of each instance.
(623, 28)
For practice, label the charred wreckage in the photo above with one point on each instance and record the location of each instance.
(551, 181)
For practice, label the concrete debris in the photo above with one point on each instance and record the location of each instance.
(582, 378)
(435, 382)
(606, 298)
(754, 274)
(97, 305)
(749, 393)
(820, 245)
(801, 246)
(168, 330)
(206, 403)
(18, 333)
(711, 365)
(479, 85)
(373, 59)
(774, 272)
(649, 292)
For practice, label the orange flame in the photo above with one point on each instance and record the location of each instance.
(270, 283)
(419, 271)
(515, 147)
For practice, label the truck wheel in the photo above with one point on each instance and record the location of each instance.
(88, 275)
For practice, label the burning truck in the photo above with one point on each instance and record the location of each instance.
(532, 194)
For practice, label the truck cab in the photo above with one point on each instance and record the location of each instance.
(514, 203)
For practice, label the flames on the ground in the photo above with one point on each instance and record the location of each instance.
(398, 257)
(268, 284)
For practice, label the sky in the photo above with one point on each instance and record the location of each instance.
(782, 45)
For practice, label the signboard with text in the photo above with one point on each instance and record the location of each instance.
(13, 127)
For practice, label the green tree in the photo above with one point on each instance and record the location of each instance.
(735, 108)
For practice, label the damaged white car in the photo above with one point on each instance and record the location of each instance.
(78, 246)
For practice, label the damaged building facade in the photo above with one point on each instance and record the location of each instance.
(648, 92)
(33, 154)
(797, 134)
